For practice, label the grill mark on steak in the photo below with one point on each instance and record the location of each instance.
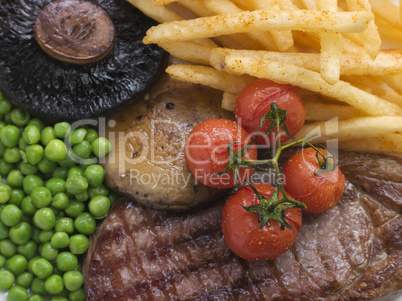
(350, 252)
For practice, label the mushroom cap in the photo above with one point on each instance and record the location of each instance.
(56, 90)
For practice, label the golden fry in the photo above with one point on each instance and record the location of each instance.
(310, 80)
(210, 77)
(162, 2)
(356, 128)
(386, 63)
(315, 21)
(188, 51)
(158, 13)
(229, 101)
(388, 143)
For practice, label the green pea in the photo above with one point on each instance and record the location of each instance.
(3, 231)
(75, 171)
(85, 223)
(44, 218)
(17, 293)
(73, 280)
(11, 215)
(75, 208)
(91, 135)
(76, 184)
(21, 233)
(41, 197)
(49, 252)
(5, 105)
(34, 153)
(79, 244)
(38, 286)
(101, 147)
(56, 185)
(2, 261)
(15, 178)
(7, 248)
(30, 182)
(37, 122)
(83, 149)
(78, 295)
(77, 136)
(47, 135)
(17, 264)
(20, 117)
(62, 129)
(60, 200)
(60, 172)
(45, 235)
(31, 134)
(99, 206)
(113, 197)
(42, 268)
(31, 262)
(64, 224)
(17, 195)
(28, 168)
(60, 240)
(94, 174)
(68, 161)
(6, 280)
(5, 193)
(28, 250)
(82, 197)
(6, 167)
(56, 150)
(10, 135)
(25, 279)
(27, 206)
(66, 261)
(46, 166)
(37, 298)
(12, 155)
(99, 190)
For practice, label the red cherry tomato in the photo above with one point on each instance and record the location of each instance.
(242, 231)
(254, 101)
(319, 192)
(206, 152)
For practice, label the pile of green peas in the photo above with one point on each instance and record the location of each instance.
(51, 198)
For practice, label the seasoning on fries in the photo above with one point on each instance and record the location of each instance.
(333, 52)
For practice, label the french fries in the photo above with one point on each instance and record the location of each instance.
(189, 51)
(355, 128)
(386, 62)
(248, 21)
(332, 51)
(310, 80)
(210, 77)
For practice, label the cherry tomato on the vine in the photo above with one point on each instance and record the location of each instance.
(242, 231)
(206, 152)
(318, 191)
(254, 101)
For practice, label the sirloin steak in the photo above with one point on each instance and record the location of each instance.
(350, 252)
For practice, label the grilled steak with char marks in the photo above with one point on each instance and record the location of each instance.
(350, 252)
